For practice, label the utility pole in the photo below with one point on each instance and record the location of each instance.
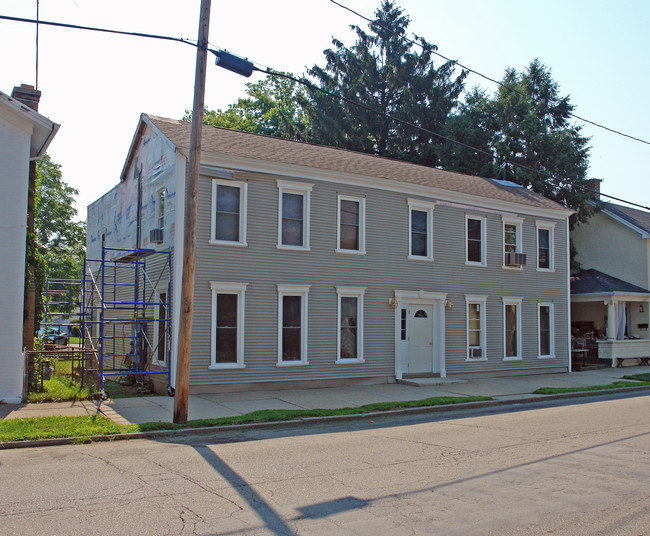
(189, 238)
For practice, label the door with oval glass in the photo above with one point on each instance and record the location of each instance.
(420, 339)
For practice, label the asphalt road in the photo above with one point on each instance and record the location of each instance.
(581, 469)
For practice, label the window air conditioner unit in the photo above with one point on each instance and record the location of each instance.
(515, 259)
(156, 236)
(475, 353)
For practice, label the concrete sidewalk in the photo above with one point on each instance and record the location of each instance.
(160, 408)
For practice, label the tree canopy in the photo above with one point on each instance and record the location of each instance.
(526, 122)
(385, 71)
(270, 108)
(60, 239)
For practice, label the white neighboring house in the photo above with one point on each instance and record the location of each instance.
(24, 136)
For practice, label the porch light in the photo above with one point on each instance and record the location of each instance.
(641, 309)
(392, 302)
(449, 304)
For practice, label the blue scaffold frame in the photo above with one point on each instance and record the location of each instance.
(121, 302)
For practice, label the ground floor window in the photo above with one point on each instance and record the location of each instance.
(350, 324)
(546, 347)
(292, 324)
(227, 325)
(512, 328)
(476, 327)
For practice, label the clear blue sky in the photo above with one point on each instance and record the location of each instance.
(96, 85)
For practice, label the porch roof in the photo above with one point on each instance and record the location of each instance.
(598, 283)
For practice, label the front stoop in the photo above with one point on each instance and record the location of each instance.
(421, 382)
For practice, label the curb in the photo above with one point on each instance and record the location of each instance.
(204, 430)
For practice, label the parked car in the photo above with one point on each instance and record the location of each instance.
(54, 335)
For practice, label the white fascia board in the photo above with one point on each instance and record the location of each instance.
(143, 121)
(43, 129)
(629, 225)
(309, 173)
(604, 296)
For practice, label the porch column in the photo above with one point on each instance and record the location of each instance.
(611, 320)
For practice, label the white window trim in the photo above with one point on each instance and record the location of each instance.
(517, 302)
(422, 206)
(350, 292)
(243, 209)
(362, 225)
(551, 325)
(303, 292)
(239, 289)
(483, 221)
(156, 327)
(550, 226)
(299, 188)
(518, 222)
(481, 301)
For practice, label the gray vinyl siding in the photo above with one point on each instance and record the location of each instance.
(383, 269)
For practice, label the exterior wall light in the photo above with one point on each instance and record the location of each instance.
(449, 304)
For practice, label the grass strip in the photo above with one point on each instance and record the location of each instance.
(60, 389)
(86, 426)
(645, 377)
(560, 390)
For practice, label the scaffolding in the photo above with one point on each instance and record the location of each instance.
(126, 315)
(60, 307)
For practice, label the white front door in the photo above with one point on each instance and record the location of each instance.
(420, 339)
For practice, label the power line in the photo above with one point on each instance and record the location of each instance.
(273, 72)
(501, 84)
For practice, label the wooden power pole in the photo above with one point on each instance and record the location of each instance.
(189, 238)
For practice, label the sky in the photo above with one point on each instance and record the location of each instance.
(97, 85)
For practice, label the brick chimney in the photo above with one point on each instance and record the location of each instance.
(30, 97)
(594, 184)
(27, 95)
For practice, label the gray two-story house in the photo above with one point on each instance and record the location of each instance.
(316, 266)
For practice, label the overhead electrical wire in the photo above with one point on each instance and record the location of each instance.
(501, 84)
(273, 72)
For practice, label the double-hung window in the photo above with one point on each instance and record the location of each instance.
(476, 337)
(292, 324)
(475, 240)
(161, 209)
(511, 238)
(420, 230)
(228, 212)
(545, 252)
(546, 330)
(351, 224)
(512, 328)
(293, 215)
(350, 324)
(227, 325)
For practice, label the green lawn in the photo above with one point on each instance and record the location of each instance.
(83, 427)
(615, 385)
(60, 389)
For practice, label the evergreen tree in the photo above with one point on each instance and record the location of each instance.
(385, 71)
(527, 122)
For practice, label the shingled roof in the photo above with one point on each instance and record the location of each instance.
(281, 151)
(595, 282)
(638, 218)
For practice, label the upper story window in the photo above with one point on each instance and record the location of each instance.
(294, 209)
(229, 200)
(545, 250)
(475, 240)
(420, 230)
(512, 242)
(161, 209)
(351, 228)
